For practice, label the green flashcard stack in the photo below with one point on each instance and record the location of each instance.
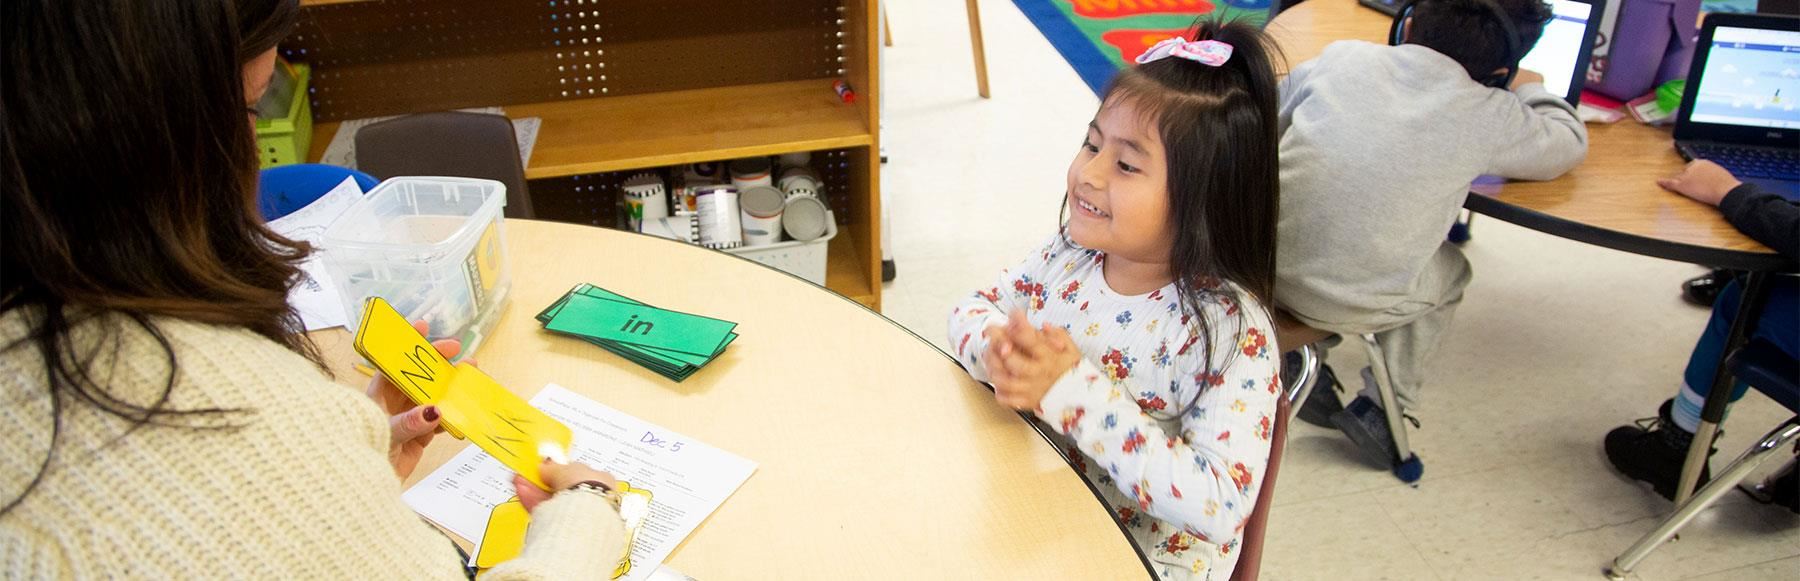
(671, 343)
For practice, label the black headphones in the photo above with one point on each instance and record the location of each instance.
(1397, 32)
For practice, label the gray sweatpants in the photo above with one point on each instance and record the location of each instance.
(1409, 330)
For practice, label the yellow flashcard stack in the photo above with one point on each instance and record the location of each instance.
(473, 406)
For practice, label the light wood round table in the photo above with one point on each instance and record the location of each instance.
(878, 457)
(1610, 200)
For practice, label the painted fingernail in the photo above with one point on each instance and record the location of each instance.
(431, 413)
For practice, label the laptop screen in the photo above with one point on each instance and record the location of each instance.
(1751, 79)
(1558, 51)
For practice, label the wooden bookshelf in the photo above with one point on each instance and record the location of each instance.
(646, 85)
(661, 129)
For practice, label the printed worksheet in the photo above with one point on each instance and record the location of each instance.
(688, 480)
(316, 297)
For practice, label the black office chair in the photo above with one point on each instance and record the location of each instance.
(447, 143)
(1764, 367)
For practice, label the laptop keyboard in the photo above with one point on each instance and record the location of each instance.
(1752, 162)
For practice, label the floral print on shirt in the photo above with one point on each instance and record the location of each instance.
(1175, 440)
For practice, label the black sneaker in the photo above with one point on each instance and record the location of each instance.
(1786, 489)
(1323, 401)
(1367, 426)
(1653, 451)
(1703, 290)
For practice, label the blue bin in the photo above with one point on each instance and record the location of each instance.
(284, 189)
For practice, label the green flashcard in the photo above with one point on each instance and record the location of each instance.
(675, 365)
(655, 356)
(641, 325)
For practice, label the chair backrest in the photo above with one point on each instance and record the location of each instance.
(1250, 544)
(282, 189)
(447, 143)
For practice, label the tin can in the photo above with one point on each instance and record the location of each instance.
(796, 159)
(720, 219)
(683, 226)
(750, 172)
(804, 218)
(762, 209)
(645, 199)
(799, 181)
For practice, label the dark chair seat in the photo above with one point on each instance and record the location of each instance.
(1766, 368)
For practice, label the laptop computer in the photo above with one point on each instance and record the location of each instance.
(1561, 53)
(1388, 7)
(1741, 108)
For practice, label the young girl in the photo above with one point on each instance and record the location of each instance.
(1139, 332)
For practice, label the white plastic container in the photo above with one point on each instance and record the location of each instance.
(803, 259)
(434, 247)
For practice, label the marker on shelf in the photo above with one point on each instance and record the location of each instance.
(844, 91)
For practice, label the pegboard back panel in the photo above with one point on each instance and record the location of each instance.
(390, 57)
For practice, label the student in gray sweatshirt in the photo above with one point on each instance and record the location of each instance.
(1378, 147)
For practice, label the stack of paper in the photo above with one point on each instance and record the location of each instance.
(671, 343)
(690, 479)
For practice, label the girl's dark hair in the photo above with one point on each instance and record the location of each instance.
(129, 184)
(1217, 126)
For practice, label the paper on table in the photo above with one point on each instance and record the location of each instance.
(689, 479)
(342, 149)
(316, 297)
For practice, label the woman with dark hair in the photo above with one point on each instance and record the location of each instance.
(160, 413)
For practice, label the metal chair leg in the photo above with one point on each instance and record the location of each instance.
(1775, 441)
(1763, 491)
(1406, 465)
(1303, 385)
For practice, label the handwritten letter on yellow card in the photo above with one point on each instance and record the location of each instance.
(473, 405)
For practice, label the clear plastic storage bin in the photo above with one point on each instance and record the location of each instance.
(433, 247)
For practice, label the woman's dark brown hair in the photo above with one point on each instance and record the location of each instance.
(129, 187)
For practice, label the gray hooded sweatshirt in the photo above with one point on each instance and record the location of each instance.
(1378, 147)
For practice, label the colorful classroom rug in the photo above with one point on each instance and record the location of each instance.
(1099, 36)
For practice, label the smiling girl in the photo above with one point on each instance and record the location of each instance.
(1139, 331)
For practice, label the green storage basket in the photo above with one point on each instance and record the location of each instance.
(286, 140)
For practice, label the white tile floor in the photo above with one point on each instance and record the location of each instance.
(1556, 343)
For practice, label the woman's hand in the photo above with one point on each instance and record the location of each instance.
(1025, 362)
(410, 426)
(559, 477)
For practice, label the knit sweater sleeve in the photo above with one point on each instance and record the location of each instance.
(574, 535)
(571, 536)
(292, 480)
(1204, 478)
(1538, 135)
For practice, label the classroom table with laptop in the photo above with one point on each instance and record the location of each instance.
(1612, 199)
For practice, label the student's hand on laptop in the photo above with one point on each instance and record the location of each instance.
(1702, 180)
(1526, 77)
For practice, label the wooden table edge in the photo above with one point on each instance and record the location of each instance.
(1642, 245)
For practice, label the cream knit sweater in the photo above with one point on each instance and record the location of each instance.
(301, 488)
